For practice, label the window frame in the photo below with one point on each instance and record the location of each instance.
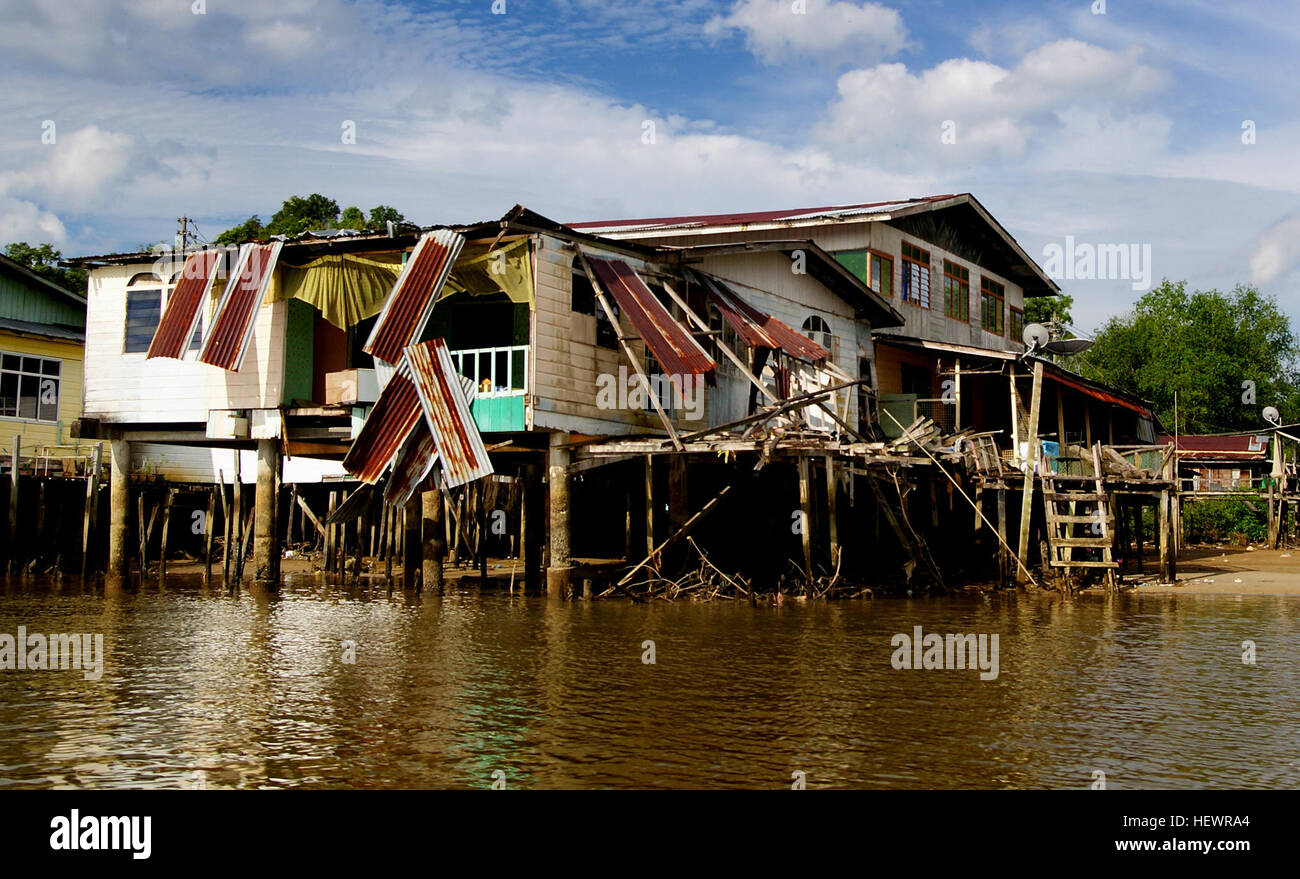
(884, 258)
(159, 290)
(923, 271)
(1001, 298)
(950, 270)
(1013, 333)
(39, 375)
(827, 335)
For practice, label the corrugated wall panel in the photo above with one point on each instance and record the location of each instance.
(232, 324)
(447, 414)
(408, 307)
(176, 327)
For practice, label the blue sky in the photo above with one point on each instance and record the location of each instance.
(1122, 127)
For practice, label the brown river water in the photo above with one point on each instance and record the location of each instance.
(201, 688)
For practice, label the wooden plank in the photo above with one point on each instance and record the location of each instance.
(1032, 456)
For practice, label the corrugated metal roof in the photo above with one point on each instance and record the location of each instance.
(413, 462)
(447, 413)
(757, 217)
(672, 346)
(394, 415)
(232, 323)
(761, 330)
(49, 331)
(1238, 447)
(409, 305)
(176, 327)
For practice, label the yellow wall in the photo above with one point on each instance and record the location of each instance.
(41, 433)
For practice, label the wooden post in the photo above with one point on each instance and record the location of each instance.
(330, 532)
(1138, 533)
(207, 536)
(143, 534)
(266, 545)
(15, 457)
(119, 571)
(411, 550)
(226, 530)
(390, 517)
(92, 497)
(559, 572)
(237, 508)
(649, 503)
(806, 518)
(434, 530)
(1002, 536)
(166, 522)
(1031, 460)
(531, 539)
(832, 501)
(1164, 532)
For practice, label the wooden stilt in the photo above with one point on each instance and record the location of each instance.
(207, 536)
(806, 516)
(1031, 461)
(92, 498)
(832, 513)
(166, 523)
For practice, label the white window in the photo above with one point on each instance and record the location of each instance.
(817, 329)
(29, 387)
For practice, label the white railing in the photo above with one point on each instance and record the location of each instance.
(498, 372)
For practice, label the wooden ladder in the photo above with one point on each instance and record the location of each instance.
(1071, 501)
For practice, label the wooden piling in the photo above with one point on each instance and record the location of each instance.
(559, 572)
(1031, 460)
(412, 563)
(266, 541)
(166, 523)
(15, 459)
(92, 499)
(207, 536)
(832, 518)
(118, 573)
(806, 514)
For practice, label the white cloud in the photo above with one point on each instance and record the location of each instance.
(832, 31)
(1276, 251)
(23, 221)
(994, 111)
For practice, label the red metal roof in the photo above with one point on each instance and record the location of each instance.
(413, 462)
(672, 346)
(394, 416)
(447, 413)
(759, 216)
(232, 323)
(1098, 394)
(760, 330)
(1237, 447)
(409, 305)
(176, 327)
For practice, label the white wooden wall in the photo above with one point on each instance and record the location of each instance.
(127, 388)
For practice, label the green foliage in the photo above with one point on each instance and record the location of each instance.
(1219, 520)
(249, 230)
(1041, 309)
(44, 261)
(298, 215)
(1204, 346)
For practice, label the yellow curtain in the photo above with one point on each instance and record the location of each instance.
(508, 269)
(345, 289)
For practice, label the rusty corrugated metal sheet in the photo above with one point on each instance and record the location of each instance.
(759, 329)
(232, 323)
(672, 346)
(413, 462)
(395, 414)
(408, 307)
(176, 327)
(447, 413)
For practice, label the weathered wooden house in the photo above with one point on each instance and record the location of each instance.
(42, 331)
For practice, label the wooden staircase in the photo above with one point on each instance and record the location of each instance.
(1080, 503)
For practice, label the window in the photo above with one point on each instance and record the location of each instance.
(29, 387)
(583, 297)
(1017, 328)
(855, 261)
(882, 274)
(819, 331)
(916, 275)
(143, 311)
(956, 291)
(991, 297)
(606, 334)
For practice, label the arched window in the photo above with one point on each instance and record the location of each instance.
(143, 311)
(817, 329)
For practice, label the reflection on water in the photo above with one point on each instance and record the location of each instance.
(201, 687)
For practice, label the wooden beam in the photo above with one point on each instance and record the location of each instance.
(1031, 459)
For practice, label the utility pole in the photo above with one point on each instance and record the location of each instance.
(185, 231)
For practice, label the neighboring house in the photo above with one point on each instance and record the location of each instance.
(42, 336)
(959, 281)
(282, 352)
(1221, 463)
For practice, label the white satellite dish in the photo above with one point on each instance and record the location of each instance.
(1272, 416)
(1036, 337)
(1067, 346)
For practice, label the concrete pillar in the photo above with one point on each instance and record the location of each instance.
(266, 542)
(559, 573)
(118, 573)
(435, 539)
(411, 548)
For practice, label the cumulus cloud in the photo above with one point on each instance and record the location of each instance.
(1277, 250)
(831, 31)
(989, 111)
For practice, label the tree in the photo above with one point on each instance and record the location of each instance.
(352, 218)
(380, 215)
(1041, 309)
(44, 261)
(1226, 356)
(249, 230)
(298, 214)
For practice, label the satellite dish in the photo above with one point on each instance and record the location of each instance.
(1272, 416)
(1066, 346)
(1036, 336)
